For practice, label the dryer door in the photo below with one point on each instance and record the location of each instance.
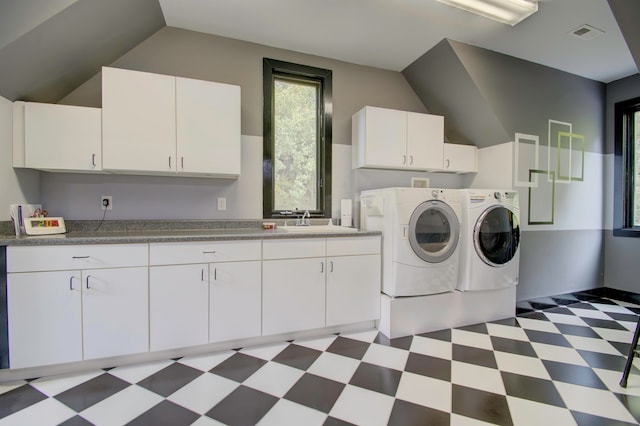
(496, 235)
(434, 231)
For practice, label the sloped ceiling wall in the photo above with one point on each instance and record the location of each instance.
(486, 97)
(445, 86)
(627, 13)
(54, 58)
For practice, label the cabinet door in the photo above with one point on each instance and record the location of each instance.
(236, 295)
(44, 315)
(384, 139)
(138, 121)
(115, 312)
(460, 158)
(425, 141)
(208, 127)
(178, 306)
(353, 289)
(62, 137)
(293, 295)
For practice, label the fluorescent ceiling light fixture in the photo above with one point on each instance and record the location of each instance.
(506, 11)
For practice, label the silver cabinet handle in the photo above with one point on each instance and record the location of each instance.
(209, 252)
(411, 159)
(404, 159)
(448, 163)
(93, 160)
(87, 282)
(331, 266)
(169, 161)
(322, 267)
(71, 283)
(80, 257)
(215, 274)
(202, 274)
(182, 162)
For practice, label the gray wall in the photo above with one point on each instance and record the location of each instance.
(558, 262)
(622, 267)
(190, 54)
(56, 56)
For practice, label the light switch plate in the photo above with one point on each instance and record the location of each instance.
(222, 204)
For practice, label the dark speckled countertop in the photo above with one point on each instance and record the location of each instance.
(129, 231)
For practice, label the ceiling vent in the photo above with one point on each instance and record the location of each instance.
(587, 32)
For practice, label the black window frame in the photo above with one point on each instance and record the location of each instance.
(623, 168)
(273, 68)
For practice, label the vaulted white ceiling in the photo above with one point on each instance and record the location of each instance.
(391, 34)
(50, 47)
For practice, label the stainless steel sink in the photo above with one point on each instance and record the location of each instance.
(317, 229)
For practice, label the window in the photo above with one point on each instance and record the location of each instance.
(627, 169)
(297, 140)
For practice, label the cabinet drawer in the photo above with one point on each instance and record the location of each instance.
(204, 252)
(353, 246)
(58, 258)
(295, 248)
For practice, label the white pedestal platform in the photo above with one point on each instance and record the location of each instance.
(404, 316)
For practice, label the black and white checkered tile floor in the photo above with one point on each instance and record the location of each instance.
(558, 363)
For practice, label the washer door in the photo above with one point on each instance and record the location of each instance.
(434, 231)
(496, 235)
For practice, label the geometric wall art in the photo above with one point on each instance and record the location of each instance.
(565, 164)
(527, 157)
(570, 159)
(542, 198)
(554, 128)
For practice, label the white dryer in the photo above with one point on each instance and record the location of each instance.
(420, 233)
(490, 255)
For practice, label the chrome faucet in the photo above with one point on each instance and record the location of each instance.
(302, 221)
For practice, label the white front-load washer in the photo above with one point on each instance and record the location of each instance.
(490, 241)
(420, 233)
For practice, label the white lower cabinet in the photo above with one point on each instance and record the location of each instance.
(293, 295)
(71, 303)
(303, 291)
(178, 306)
(204, 292)
(235, 292)
(353, 289)
(44, 312)
(67, 315)
(115, 312)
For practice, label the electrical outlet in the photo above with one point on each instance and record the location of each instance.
(222, 204)
(419, 182)
(106, 202)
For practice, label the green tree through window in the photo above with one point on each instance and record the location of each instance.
(297, 140)
(295, 167)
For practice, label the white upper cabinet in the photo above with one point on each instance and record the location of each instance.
(391, 139)
(425, 141)
(138, 121)
(460, 158)
(379, 138)
(58, 137)
(160, 124)
(208, 127)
